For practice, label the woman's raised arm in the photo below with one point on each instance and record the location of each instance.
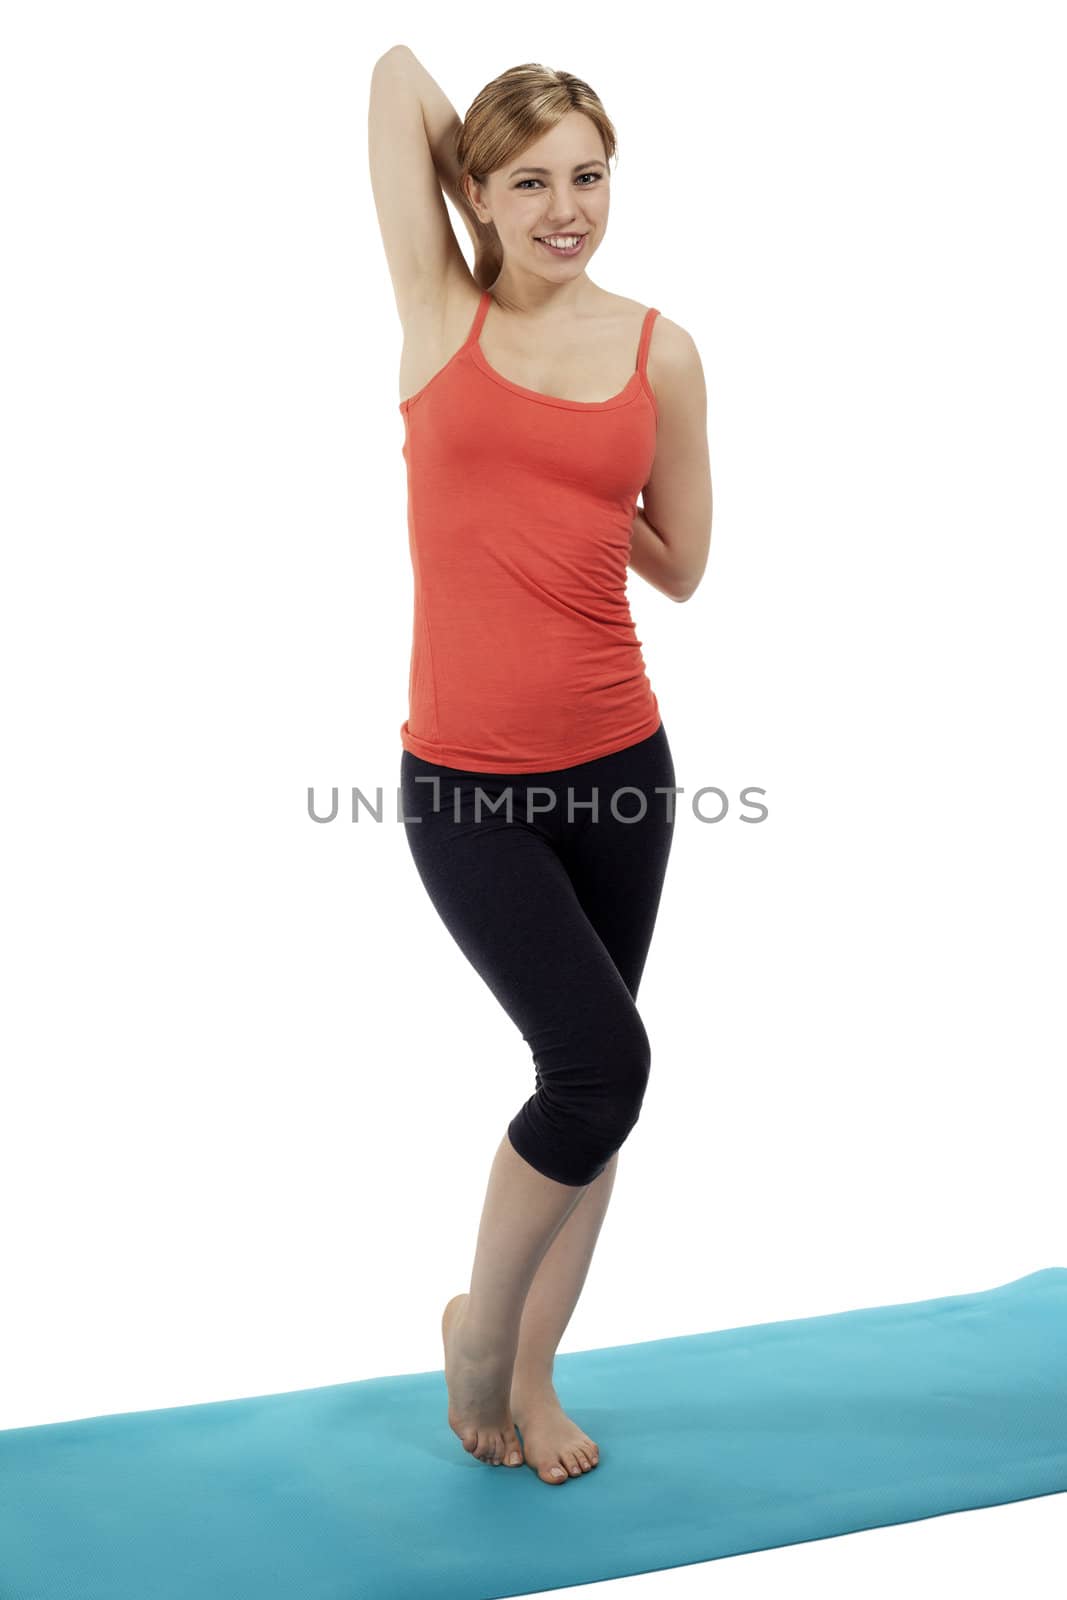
(412, 129)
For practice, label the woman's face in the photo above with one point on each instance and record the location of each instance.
(568, 195)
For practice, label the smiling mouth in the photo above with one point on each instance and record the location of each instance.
(570, 250)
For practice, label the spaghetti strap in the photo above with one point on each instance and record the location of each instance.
(479, 318)
(646, 339)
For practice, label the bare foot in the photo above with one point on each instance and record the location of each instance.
(478, 1408)
(554, 1444)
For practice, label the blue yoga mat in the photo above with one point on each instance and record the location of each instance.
(711, 1445)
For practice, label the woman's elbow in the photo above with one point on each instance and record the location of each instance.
(687, 584)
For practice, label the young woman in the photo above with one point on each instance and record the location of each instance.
(536, 774)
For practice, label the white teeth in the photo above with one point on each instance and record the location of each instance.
(565, 241)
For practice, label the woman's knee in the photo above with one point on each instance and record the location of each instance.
(588, 1100)
(623, 1074)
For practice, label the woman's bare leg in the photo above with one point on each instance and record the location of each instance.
(522, 1214)
(558, 1282)
(552, 1441)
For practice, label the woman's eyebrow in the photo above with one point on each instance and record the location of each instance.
(546, 171)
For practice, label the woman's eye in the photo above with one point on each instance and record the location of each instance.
(596, 176)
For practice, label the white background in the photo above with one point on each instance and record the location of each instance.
(251, 1089)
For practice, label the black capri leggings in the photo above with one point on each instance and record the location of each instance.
(554, 902)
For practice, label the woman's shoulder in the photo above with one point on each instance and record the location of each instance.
(672, 351)
(667, 333)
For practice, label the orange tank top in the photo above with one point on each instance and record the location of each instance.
(524, 655)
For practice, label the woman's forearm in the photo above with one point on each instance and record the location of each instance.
(442, 124)
(651, 559)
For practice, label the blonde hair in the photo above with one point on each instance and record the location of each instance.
(506, 117)
(517, 108)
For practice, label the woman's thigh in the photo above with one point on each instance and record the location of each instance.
(558, 941)
(504, 894)
(618, 867)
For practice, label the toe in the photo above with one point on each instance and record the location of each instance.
(583, 1460)
(570, 1461)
